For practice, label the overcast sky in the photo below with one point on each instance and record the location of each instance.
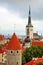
(14, 15)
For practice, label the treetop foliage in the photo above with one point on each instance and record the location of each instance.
(32, 52)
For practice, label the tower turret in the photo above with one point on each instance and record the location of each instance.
(14, 51)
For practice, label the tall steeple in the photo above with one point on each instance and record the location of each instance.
(29, 17)
(29, 27)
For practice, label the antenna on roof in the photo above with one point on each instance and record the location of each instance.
(14, 28)
(41, 34)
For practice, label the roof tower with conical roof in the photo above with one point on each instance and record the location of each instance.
(14, 43)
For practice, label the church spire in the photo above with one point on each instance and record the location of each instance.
(29, 18)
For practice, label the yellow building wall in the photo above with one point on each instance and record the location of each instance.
(0, 57)
(30, 32)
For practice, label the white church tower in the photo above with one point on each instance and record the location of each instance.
(29, 27)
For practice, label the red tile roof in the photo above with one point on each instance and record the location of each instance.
(1, 52)
(4, 49)
(34, 62)
(2, 37)
(37, 43)
(14, 43)
(39, 60)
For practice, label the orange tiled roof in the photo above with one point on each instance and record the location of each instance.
(39, 60)
(0, 51)
(2, 37)
(37, 43)
(14, 43)
(4, 49)
(34, 62)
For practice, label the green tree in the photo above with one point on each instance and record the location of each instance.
(33, 51)
(28, 54)
(0, 47)
(36, 51)
(23, 58)
(28, 57)
(40, 63)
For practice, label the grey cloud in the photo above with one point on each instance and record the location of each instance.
(22, 6)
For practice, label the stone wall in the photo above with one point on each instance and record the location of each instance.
(2, 63)
(14, 57)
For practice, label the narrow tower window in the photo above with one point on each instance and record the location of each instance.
(17, 63)
(27, 31)
(11, 51)
(17, 51)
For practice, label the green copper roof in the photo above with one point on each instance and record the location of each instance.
(29, 25)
